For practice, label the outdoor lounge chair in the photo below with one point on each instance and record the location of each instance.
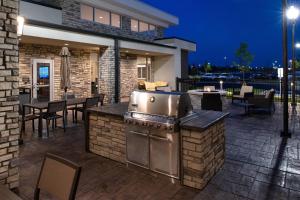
(211, 101)
(263, 102)
(58, 177)
(244, 94)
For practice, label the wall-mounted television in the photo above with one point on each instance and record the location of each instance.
(44, 72)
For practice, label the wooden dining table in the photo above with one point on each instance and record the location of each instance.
(6, 194)
(44, 105)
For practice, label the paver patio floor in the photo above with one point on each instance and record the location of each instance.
(259, 164)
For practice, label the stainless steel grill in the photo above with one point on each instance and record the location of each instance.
(153, 130)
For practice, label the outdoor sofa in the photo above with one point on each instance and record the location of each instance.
(263, 102)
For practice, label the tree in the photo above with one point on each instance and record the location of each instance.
(207, 67)
(244, 58)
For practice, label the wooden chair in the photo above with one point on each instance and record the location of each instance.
(90, 102)
(58, 177)
(244, 94)
(211, 101)
(51, 114)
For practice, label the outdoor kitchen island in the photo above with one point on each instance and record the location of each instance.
(201, 143)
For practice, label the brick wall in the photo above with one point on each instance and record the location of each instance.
(107, 74)
(72, 18)
(9, 104)
(80, 67)
(203, 154)
(107, 137)
(128, 76)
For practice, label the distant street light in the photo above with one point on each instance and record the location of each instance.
(293, 14)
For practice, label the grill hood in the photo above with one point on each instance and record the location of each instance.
(168, 104)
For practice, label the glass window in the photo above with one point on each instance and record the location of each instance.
(87, 12)
(115, 20)
(102, 16)
(151, 27)
(144, 27)
(142, 72)
(134, 25)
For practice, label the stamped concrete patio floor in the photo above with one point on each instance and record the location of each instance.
(259, 164)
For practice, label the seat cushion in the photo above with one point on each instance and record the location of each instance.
(237, 96)
(150, 86)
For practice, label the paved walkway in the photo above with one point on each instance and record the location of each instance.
(259, 164)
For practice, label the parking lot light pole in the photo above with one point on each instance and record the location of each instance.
(292, 15)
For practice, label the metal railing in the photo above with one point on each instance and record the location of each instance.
(260, 86)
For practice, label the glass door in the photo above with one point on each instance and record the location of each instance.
(42, 80)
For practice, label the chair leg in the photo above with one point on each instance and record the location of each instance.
(23, 126)
(76, 115)
(33, 127)
(55, 123)
(48, 124)
(73, 117)
(64, 124)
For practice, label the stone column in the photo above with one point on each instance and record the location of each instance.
(107, 73)
(9, 104)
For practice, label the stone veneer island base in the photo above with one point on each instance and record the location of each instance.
(202, 141)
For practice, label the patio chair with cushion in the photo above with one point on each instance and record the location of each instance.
(244, 94)
(263, 102)
(58, 177)
(211, 101)
(27, 114)
(89, 103)
(51, 114)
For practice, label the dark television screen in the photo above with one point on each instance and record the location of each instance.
(44, 72)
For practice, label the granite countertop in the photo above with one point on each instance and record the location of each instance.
(202, 119)
(117, 110)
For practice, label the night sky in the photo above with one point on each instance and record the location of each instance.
(218, 27)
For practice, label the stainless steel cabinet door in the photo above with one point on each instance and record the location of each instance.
(137, 148)
(164, 152)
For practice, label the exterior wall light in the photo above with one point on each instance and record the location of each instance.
(20, 27)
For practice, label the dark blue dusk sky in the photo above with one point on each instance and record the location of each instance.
(218, 27)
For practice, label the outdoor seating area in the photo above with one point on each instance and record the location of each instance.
(112, 100)
(258, 164)
(53, 110)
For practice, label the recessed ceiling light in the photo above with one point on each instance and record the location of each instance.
(66, 44)
(101, 17)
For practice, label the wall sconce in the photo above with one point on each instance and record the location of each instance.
(20, 27)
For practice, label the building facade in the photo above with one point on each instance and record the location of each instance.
(114, 45)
